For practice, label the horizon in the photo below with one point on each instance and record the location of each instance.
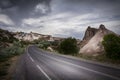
(60, 18)
(63, 37)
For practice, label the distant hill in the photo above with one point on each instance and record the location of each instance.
(6, 36)
(30, 36)
(35, 36)
(92, 41)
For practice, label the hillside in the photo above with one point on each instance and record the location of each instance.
(6, 37)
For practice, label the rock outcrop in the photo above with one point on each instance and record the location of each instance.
(35, 36)
(94, 44)
(90, 32)
(31, 36)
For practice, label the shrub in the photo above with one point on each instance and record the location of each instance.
(111, 43)
(68, 46)
(44, 44)
(10, 51)
(25, 43)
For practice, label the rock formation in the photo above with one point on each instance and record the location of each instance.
(90, 32)
(94, 44)
(35, 36)
(31, 36)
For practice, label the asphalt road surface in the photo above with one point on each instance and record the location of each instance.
(37, 64)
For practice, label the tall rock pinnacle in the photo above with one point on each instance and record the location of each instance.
(94, 44)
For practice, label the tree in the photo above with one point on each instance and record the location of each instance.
(111, 43)
(68, 46)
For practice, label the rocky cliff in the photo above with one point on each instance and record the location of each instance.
(89, 33)
(94, 38)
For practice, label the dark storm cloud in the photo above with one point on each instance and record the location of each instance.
(20, 9)
(5, 4)
(85, 6)
(57, 17)
(107, 11)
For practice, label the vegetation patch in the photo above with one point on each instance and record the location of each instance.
(68, 46)
(111, 43)
(16, 48)
(99, 58)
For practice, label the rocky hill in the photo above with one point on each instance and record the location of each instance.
(31, 36)
(35, 36)
(92, 41)
(89, 33)
(6, 36)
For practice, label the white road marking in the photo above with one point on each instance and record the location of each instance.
(117, 78)
(39, 67)
(30, 57)
(43, 72)
(104, 74)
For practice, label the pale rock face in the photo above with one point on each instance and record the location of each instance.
(94, 45)
(34, 36)
(28, 36)
(89, 33)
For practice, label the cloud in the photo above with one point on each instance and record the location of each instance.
(6, 20)
(5, 4)
(111, 25)
(21, 9)
(60, 17)
(42, 8)
(68, 24)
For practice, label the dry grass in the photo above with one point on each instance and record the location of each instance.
(7, 68)
(100, 58)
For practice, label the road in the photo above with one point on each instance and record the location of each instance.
(37, 64)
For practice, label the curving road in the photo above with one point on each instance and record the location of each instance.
(37, 64)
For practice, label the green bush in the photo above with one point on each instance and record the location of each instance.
(111, 43)
(68, 46)
(10, 51)
(44, 44)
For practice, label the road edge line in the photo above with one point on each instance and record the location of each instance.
(104, 74)
(38, 65)
(43, 72)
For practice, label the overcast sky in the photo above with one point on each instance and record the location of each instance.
(62, 18)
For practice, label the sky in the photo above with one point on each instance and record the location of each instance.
(62, 18)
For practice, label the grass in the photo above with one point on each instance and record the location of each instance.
(5, 58)
(12, 67)
(7, 68)
(103, 58)
(3, 69)
(99, 58)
